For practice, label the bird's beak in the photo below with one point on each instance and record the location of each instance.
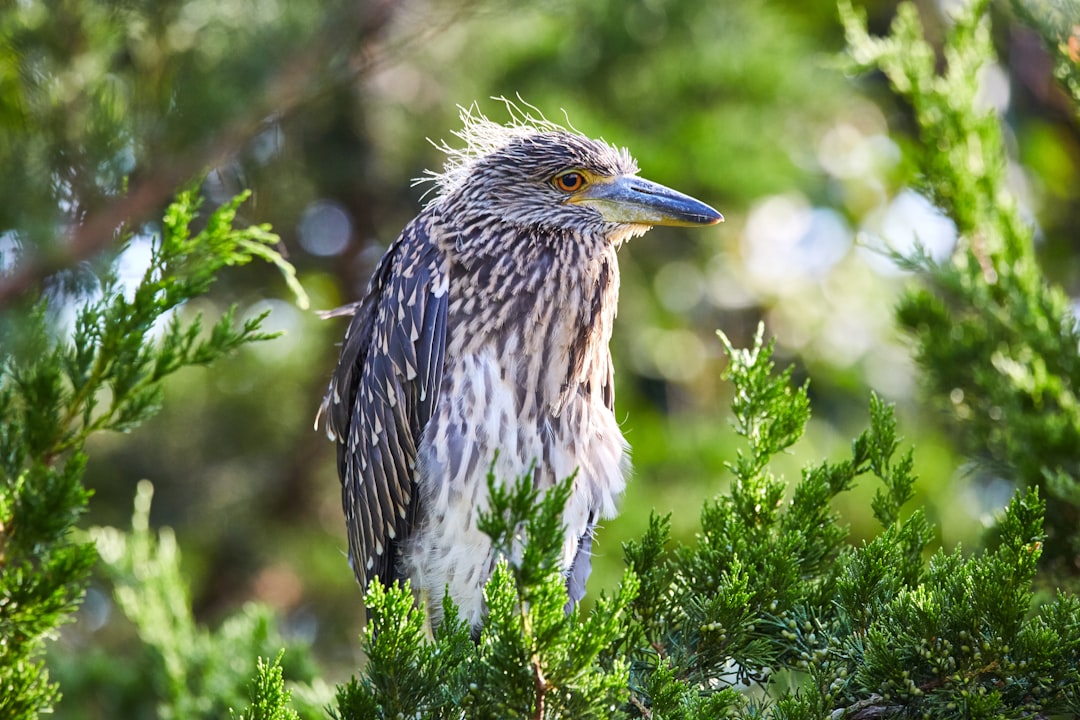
(633, 200)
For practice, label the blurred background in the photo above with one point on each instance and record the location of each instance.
(324, 110)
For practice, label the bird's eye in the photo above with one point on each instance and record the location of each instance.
(569, 181)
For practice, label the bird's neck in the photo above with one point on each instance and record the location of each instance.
(546, 306)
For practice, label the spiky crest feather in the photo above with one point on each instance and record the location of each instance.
(483, 136)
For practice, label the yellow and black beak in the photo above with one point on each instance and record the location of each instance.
(633, 200)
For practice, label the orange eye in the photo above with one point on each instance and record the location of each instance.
(569, 182)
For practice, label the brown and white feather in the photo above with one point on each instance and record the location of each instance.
(482, 337)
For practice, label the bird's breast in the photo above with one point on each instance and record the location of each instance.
(483, 422)
(528, 370)
(525, 390)
(488, 418)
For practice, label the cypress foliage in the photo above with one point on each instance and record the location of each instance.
(56, 389)
(998, 345)
(770, 612)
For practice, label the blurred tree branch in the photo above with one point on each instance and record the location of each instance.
(343, 51)
(1058, 24)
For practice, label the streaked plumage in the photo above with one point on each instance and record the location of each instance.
(485, 331)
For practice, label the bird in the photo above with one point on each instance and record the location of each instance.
(481, 344)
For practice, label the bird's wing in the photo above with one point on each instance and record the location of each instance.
(383, 394)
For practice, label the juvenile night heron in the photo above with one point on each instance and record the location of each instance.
(483, 336)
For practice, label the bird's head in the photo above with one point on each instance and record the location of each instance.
(536, 174)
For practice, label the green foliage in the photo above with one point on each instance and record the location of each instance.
(195, 673)
(998, 343)
(769, 595)
(269, 698)
(43, 573)
(57, 388)
(715, 609)
(769, 612)
(1057, 23)
(404, 676)
(531, 659)
(946, 643)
